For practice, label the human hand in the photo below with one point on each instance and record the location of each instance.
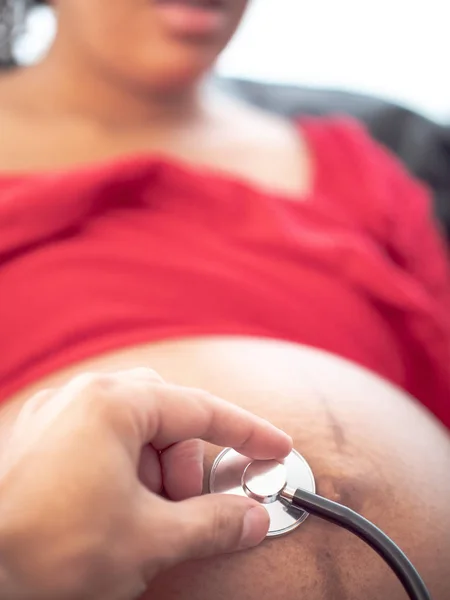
(81, 510)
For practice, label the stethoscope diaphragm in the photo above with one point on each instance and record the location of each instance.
(233, 473)
(287, 489)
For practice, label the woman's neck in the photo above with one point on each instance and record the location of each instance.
(66, 88)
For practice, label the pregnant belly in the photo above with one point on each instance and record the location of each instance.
(276, 379)
(369, 445)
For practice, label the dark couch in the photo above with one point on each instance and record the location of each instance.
(423, 145)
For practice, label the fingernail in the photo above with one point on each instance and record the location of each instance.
(256, 525)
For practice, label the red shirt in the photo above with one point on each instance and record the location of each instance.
(145, 248)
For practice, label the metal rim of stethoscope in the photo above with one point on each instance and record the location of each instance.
(287, 489)
(226, 477)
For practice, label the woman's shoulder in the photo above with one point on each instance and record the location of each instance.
(349, 155)
(335, 155)
(363, 176)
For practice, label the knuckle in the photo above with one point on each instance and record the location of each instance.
(94, 383)
(148, 373)
(208, 403)
(204, 398)
(103, 393)
(141, 374)
(94, 388)
(43, 394)
(40, 397)
(84, 381)
(204, 395)
(37, 401)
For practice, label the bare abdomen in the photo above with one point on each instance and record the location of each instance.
(370, 447)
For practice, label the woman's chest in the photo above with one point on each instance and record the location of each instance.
(264, 151)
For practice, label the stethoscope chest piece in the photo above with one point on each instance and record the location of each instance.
(263, 480)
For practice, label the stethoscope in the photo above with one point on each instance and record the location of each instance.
(287, 490)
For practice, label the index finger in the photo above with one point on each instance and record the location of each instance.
(167, 414)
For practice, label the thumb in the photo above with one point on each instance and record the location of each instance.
(215, 524)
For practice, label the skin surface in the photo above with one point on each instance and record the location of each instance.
(370, 447)
(94, 456)
(115, 83)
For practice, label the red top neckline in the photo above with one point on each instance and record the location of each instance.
(182, 169)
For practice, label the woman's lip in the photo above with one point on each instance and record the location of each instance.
(187, 19)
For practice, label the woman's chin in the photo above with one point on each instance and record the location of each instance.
(176, 73)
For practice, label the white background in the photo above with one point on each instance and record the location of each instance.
(396, 49)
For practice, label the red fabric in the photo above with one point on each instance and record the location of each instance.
(145, 248)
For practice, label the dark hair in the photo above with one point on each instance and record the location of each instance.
(12, 19)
